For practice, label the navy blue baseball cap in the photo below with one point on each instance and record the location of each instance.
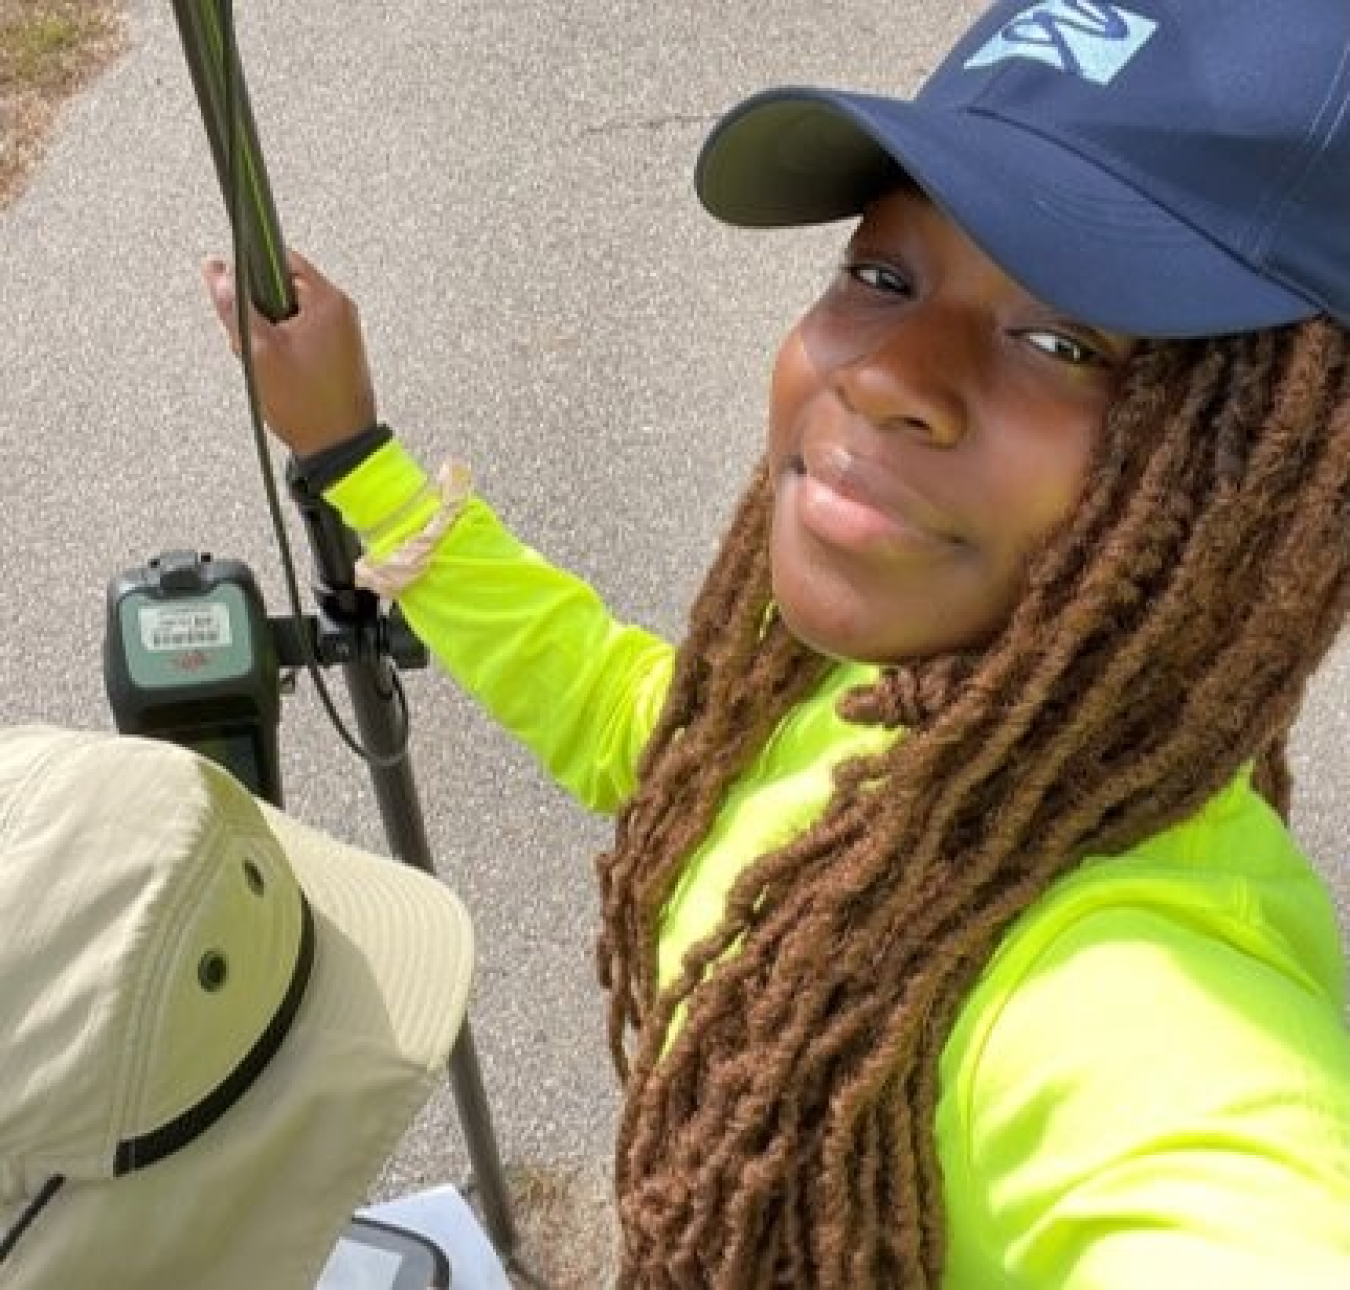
(1163, 168)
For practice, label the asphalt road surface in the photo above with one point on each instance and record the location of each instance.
(506, 190)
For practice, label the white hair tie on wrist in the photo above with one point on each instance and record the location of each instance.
(391, 574)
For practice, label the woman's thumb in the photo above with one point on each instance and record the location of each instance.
(220, 287)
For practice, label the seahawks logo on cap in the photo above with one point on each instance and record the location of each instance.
(1091, 40)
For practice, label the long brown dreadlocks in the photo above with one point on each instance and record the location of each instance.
(784, 1134)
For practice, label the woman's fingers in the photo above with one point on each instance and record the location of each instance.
(313, 380)
(219, 279)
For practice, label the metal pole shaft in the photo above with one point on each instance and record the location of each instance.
(370, 685)
(475, 1118)
(207, 32)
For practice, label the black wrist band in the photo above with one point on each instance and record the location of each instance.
(322, 469)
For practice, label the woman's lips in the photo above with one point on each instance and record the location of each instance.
(848, 501)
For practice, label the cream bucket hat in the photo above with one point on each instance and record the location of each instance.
(215, 1023)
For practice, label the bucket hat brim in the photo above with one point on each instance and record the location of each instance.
(259, 1197)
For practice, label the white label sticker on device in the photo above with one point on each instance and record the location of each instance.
(175, 627)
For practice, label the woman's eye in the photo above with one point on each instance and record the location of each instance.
(1067, 349)
(878, 277)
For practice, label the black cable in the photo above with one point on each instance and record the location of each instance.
(236, 184)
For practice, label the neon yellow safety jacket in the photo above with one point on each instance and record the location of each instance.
(1149, 1086)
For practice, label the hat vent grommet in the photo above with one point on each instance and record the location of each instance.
(212, 971)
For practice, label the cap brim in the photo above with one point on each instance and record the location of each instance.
(1082, 240)
(259, 1198)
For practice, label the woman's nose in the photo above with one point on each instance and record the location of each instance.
(914, 376)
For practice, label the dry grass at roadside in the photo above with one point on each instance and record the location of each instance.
(49, 49)
(568, 1236)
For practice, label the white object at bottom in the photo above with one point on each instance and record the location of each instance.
(441, 1215)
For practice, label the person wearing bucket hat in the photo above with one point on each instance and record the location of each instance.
(217, 1022)
(954, 929)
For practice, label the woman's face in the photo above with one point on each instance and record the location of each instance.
(930, 424)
